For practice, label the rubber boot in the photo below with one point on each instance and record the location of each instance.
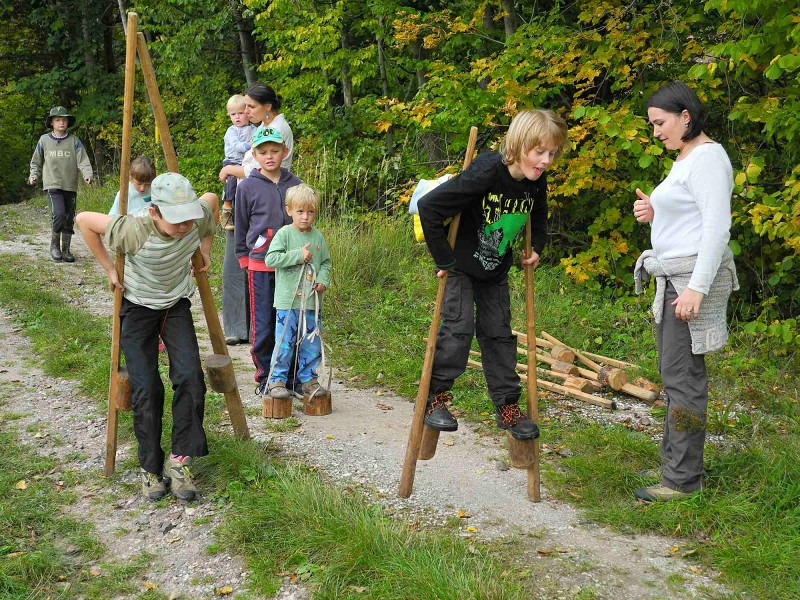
(66, 255)
(55, 248)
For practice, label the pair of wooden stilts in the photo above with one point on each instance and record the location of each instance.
(422, 440)
(218, 366)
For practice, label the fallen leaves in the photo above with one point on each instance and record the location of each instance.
(223, 591)
(21, 485)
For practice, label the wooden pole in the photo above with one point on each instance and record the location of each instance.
(119, 262)
(534, 480)
(232, 399)
(417, 422)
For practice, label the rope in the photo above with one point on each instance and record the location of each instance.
(308, 271)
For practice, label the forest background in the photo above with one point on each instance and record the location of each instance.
(381, 93)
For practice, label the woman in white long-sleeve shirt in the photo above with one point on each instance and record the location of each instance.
(262, 105)
(690, 213)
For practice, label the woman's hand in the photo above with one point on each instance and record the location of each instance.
(642, 209)
(223, 174)
(687, 305)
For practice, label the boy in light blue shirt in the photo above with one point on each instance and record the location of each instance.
(143, 171)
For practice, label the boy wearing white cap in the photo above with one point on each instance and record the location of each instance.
(158, 247)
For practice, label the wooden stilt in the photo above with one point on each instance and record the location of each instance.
(123, 395)
(430, 438)
(317, 406)
(276, 408)
(119, 262)
(233, 401)
(219, 369)
(522, 453)
(415, 433)
(534, 481)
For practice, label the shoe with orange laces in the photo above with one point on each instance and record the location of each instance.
(436, 414)
(511, 418)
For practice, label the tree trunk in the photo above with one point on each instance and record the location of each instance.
(347, 80)
(384, 79)
(509, 16)
(247, 44)
(88, 54)
(109, 20)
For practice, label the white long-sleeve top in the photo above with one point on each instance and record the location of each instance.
(692, 212)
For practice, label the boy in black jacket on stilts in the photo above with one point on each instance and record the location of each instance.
(494, 195)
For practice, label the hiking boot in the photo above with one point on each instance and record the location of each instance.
(262, 389)
(436, 414)
(180, 478)
(279, 391)
(660, 493)
(312, 388)
(66, 255)
(226, 219)
(232, 340)
(55, 246)
(153, 486)
(511, 418)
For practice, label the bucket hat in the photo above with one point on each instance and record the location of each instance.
(174, 196)
(59, 111)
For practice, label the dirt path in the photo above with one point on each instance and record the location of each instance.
(362, 442)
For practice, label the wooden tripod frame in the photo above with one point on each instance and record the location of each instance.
(134, 41)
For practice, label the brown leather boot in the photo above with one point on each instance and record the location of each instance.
(55, 248)
(66, 255)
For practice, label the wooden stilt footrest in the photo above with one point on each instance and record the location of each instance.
(123, 395)
(317, 406)
(276, 408)
(430, 437)
(521, 453)
(219, 369)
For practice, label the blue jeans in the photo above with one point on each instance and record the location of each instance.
(309, 348)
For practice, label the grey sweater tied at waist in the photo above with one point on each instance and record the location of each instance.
(709, 329)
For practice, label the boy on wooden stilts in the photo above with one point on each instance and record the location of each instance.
(158, 247)
(494, 195)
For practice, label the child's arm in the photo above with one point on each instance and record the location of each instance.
(93, 227)
(324, 272)
(212, 202)
(37, 160)
(280, 256)
(83, 161)
(448, 200)
(233, 145)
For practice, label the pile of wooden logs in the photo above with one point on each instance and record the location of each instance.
(597, 374)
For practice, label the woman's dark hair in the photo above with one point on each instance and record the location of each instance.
(676, 97)
(263, 94)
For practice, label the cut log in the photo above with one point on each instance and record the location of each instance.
(585, 360)
(523, 339)
(612, 377)
(276, 408)
(578, 383)
(630, 389)
(317, 406)
(611, 361)
(562, 353)
(572, 393)
(558, 366)
(430, 437)
(646, 384)
(521, 453)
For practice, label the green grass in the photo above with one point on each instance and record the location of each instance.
(330, 537)
(745, 525)
(285, 518)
